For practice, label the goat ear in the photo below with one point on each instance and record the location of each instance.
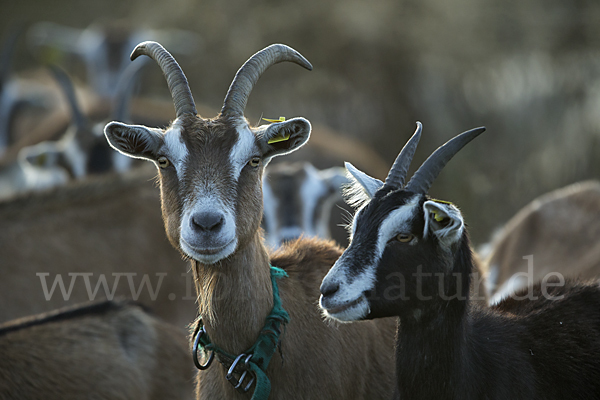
(361, 188)
(134, 140)
(283, 137)
(444, 221)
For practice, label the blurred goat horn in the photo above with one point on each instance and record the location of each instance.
(67, 86)
(397, 174)
(247, 76)
(178, 84)
(431, 168)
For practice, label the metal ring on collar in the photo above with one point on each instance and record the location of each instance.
(211, 357)
(237, 383)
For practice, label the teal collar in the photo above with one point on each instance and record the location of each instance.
(249, 367)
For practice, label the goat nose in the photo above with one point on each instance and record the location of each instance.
(207, 221)
(330, 288)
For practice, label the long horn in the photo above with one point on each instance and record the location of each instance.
(431, 168)
(178, 84)
(397, 174)
(247, 76)
(125, 86)
(67, 86)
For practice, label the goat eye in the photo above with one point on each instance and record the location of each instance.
(163, 162)
(254, 162)
(404, 237)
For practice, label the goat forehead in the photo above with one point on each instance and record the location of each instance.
(384, 218)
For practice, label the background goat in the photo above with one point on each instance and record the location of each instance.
(108, 350)
(210, 174)
(106, 227)
(560, 230)
(302, 200)
(410, 257)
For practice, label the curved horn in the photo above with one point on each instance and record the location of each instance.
(397, 174)
(67, 86)
(125, 86)
(426, 174)
(247, 76)
(178, 84)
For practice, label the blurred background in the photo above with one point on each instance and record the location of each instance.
(527, 70)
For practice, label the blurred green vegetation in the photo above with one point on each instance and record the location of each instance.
(528, 70)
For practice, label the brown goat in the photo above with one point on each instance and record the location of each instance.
(101, 227)
(560, 230)
(210, 173)
(108, 350)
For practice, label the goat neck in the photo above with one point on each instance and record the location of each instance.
(235, 296)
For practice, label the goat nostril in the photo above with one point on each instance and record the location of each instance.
(330, 289)
(207, 221)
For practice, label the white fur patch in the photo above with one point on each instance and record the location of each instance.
(397, 221)
(178, 152)
(242, 150)
(311, 191)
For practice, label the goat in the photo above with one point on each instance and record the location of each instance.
(15, 96)
(81, 151)
(559, 230)
(55, 244)
(210, 174)
(300, 200)
(108, 350)
(103, 47)
(410, 257)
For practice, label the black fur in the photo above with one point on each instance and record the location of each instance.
(65, 313)
(448, 348)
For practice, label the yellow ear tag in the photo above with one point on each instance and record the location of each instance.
(277, 139)
(442, 201)
(437, 217)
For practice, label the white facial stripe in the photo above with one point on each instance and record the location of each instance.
(311, 191)
(177, 152)
(396, 222)
(242, 150)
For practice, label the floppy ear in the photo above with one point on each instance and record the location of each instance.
(282, 137)
(134, 140)
(362, 187)
(444, 221)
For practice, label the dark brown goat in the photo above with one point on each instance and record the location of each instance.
(104, 351)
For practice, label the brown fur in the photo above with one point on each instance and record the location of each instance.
(560, 229)
(102, 226)
(322, 359)
(110, 350)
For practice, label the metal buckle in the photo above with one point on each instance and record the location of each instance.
(211, 357)
(237, 382)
